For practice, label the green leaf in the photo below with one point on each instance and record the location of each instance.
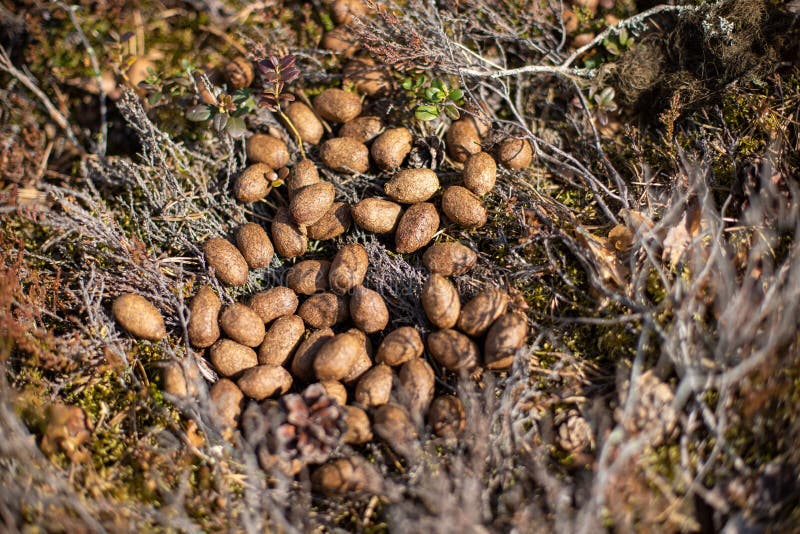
(407, 84)
(152, 76)
(236, 127)
(154, 98)
(612, 47)
(439, 84)
(219, 121)
(592, 62)
(456, 95)
(426, 112)
(452, 112)
(183, 82)
(419, 81)
(240, 95)
(434, 94)
(607, 94)
(326, 21)
(200, 112)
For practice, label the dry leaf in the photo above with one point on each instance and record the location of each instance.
(608, 265)
(679, 236)
(620, 238)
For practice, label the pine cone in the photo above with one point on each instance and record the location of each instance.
(652, 411)
(297, 430)
(427, 152)
(574, 432)
(313, 426)
(68, 429)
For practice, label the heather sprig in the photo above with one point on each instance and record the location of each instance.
(277, 73)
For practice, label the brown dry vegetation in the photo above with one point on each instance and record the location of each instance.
(653, 241)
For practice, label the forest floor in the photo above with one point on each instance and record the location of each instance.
(650, 244)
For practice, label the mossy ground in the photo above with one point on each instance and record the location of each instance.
(718, 131)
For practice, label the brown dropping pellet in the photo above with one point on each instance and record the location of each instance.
(359, 429)
(348, 268)
(440, 301)
(239, 73)
(228, 264)
(337, 105)
(411, 186)
(271, 462)
(306, 122)
(391, 148)
(333, 223)
(303, 173)
(463, 207)
(264, 381)
(449, 259)
(287, 237)
(263, 148)
(242, 325)
(281, 340)
(453, 350)
(254, 244)
(303, 361)
(416, 382)
(229, 358)
(137, 316)
(336, 357)
(343, 11)
(335, 390)
(324, 310)
(462, 140)
(339, 40)
(480, 117)
(399, 346)
(362, 129)
(310, 203)
(344, 154)
(482, 310)
(173, 380)
(377, 215)
(341, 476)
(363, 361)
(274, 303)
(480, 173)
(504, 338)
(394, 426)
(514, 153)
(308, 277)
(365, 342)
(367, 77)
(227, 399)
(362, 365)
(447, 417)
(416, 228)
(375, 386)
(254, 183)
(368, 310)
(139, 71)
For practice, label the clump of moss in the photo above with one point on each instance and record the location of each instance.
(638, 71)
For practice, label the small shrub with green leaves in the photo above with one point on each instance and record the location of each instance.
(433, 98)
(603, 103)
(225, 111)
